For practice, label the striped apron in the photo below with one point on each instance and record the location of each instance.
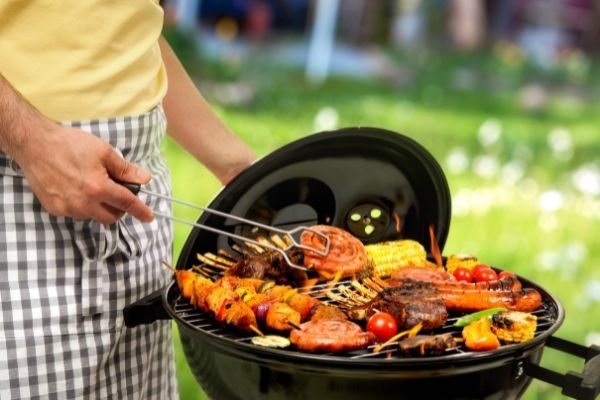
(64, 284)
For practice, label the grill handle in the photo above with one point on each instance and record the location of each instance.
(581, 386)
(145, 311)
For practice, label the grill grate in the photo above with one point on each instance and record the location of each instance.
(205, 322)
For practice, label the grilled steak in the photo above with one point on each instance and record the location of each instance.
(410, 303)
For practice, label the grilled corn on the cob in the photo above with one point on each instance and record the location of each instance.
(460, 260)
(514, 326)
(387, 257)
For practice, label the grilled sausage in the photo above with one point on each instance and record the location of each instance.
(346, 253)
(331, 336)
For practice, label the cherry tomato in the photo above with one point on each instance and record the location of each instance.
(382, 325)
(505, 273)
(463, 274)
(478, 267)
(485, 275)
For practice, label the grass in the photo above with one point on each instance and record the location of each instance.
(512, 171)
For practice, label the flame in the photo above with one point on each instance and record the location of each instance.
(397, 220)
(435, 250)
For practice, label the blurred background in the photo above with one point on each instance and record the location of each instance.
(505, 94)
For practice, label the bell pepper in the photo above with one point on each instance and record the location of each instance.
(478, 335)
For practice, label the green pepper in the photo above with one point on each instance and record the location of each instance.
(467, 319)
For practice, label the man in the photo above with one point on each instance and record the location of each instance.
(76, 247)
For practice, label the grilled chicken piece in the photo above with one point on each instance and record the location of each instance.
(425, 345)
(323, 311)
(330, 336)
(411, 303)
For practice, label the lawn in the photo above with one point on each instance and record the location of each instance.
(524, 178)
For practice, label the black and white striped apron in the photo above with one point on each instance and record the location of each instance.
(64, 284)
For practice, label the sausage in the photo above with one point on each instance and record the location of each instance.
(331, 336)
(525, 300)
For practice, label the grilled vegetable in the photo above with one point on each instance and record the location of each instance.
(382, 325)
(272, 341)
(386, 257)
(514, 326)
(478, 335)
(460, 260)
(467, 319)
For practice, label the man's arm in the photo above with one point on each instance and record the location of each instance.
(69, 170)
(196, 127)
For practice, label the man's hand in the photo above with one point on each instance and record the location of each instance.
(71, 172)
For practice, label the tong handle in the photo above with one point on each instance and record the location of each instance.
(132, 187)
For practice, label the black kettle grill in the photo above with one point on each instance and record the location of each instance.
(326, 178)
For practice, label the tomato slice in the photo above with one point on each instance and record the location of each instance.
(382, 325)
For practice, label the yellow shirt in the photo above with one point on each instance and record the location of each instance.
(83, 59)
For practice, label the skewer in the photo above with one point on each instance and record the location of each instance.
(168, 265)
(295, 326)
(256, 330)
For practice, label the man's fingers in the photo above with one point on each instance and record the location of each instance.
(120, 169)
(123, 200)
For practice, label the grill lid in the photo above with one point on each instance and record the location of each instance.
(377, 184)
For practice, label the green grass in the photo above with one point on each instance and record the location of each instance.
(496, 219)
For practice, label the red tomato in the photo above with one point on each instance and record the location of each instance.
(479, 266)
(382, 325)
(505, 273)
(463, 274)
(485, 275)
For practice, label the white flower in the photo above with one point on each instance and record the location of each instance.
(489, 132)
(551, 200)
(327, 118)
(559, 140)
(457, 160)
(587, 179)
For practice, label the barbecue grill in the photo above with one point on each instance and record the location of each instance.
(326, 178)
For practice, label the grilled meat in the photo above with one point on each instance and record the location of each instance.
(346, 254)
(426, 274)
(267, 265)
(466, 297)
(330, 336)
(410, 303)
(425, 345)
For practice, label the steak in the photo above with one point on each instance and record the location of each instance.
(410, 303)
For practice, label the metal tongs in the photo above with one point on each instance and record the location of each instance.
(292, 242)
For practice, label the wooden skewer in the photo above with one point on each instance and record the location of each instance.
(168, 265)
(410, 333)
(256, 330)
(293, 325)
